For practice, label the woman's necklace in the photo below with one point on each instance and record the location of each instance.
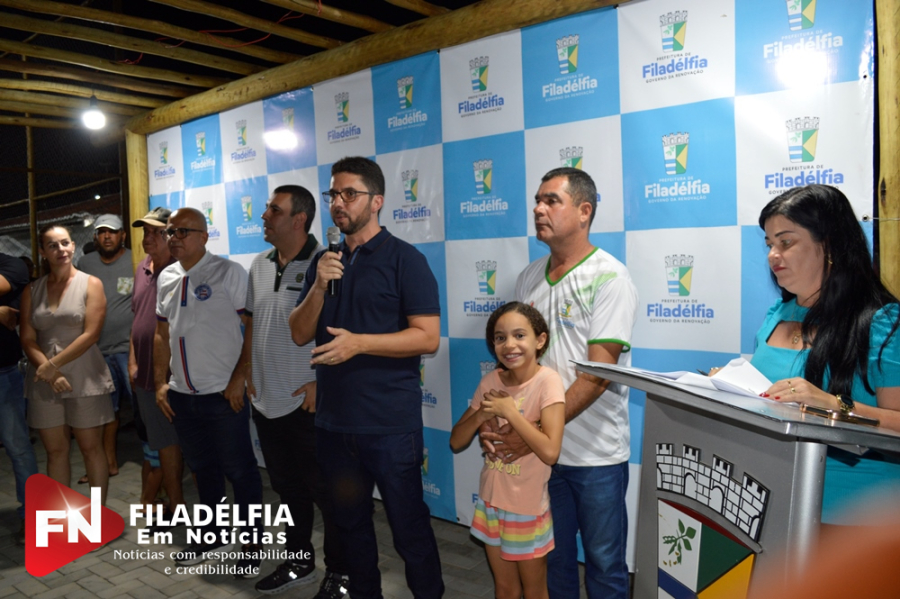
(798, 332)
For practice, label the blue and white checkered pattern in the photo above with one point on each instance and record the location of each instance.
(723, 108)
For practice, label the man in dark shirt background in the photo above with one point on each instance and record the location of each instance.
(14, 435)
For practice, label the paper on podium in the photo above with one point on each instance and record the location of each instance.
(739, 377)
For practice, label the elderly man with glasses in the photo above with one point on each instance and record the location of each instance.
(200, 301)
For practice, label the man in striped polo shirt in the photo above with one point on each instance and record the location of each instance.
(199, 304)
(590, 303)
(281, 385)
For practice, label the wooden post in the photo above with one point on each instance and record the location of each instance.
(887, 192)
(32, 191)
(138, 189)
(32, 202)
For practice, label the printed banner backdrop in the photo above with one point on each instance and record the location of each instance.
(690, 116)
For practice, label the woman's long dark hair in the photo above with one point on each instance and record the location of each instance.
(851, 292)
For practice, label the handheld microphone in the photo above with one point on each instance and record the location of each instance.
(334, 243)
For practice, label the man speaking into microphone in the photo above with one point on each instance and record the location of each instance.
(370, 336)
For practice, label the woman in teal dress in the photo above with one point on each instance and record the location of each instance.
(832, 339)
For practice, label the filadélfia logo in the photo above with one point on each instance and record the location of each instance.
(486, 300)
(248, 227)
(62, 524)
(481, 100)
(679, 269)
(203, 162)
(801, 14)
(569, 83)
(345, 129)
(241, 130)
(676, 186)
(802, 19)
(571, 157)
(165, 169)
(678, 308)
(675, 61)
(411, 185)
(405, 92)
(243, 152)
(410, 117)
(412, 209)
(802, 143)
(342, 106)
(200, 139)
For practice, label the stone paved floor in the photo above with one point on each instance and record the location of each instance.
(106, 574)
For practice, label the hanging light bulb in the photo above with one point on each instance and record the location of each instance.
(93, 118)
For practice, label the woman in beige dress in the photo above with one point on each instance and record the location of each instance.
(68, 383)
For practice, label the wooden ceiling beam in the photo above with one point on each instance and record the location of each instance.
(83, 92)
(94, 78)
(245, 20)
(27, 108)
(109, 66)
(344, 17)
(157, 27)
(67, 102)
(21, 121)
(467, 24)
(54, 194)
(116, 40)
(420, 6)
(47, 171)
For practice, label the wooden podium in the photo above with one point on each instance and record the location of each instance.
(730, 486)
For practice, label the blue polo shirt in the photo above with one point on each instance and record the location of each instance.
(385, 281)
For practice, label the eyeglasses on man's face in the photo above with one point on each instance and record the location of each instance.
(181, 232)
(349, 195)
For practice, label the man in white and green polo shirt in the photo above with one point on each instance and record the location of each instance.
(590, 303)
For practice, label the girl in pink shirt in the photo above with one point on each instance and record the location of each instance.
(512, 515)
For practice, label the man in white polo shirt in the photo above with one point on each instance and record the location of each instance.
(282, 388)
(590, 303)
(200, 300)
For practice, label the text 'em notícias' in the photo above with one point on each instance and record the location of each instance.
(210, 525)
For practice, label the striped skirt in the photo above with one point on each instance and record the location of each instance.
(519, 537)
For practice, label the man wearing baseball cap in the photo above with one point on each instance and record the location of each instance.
(111, 263)
(161, 437)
